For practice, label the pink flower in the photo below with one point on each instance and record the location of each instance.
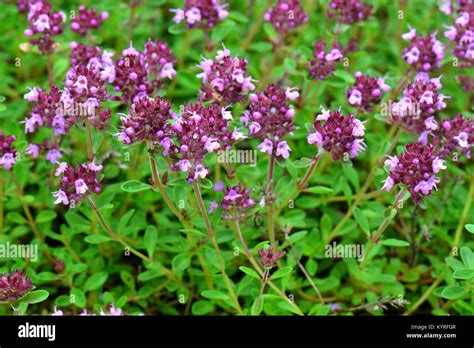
(61, 197)
(266, 146)
(283, 149)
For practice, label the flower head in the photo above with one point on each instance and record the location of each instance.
(43, 24)
(367, 91)
(77, 183)
(424, 53)
(340, 135)
(235, 202)
(349, 11)
(131, 76)
(148, 120)
(455, 135)
(159, 61)
(14, 286)
(286, 15)
(270, 117)
(268, 257)
(7, 151)
(86, 20)
(224, 78)
(197, 131)
(201, 13)
(421, 100)
(324, 63)
(415, 168)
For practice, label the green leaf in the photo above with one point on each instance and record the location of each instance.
(35, 296)
(124, 221)
(79, 298)
(134, 186)
(281, 273)
(176, 29)
(202, 307)
(148, 275)
(181, 262)
(45, 216)
(345, 76)
(395, 242)
(467, 257)
(361, 220)
(151, 237)
(97, 239)
(16, 218)
(453, 292)
(469, 228)
(95, 281)
(46, 276)
(464, 274)
(249, 272)
(214, 295)
(320, 190)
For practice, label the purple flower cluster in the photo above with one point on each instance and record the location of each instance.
(235, 202)
(455, 135)
(416, 110)
(84, 87)
(268, 257)
(132, 69)
(367, 91)
(270, 117)
(197, 131)
(349, 11)
(7, 151)
(324, 63)
(424, 53)
(87, 19)
(44, 23)
(416, 168)
(340, 135)
(14, 286)
(201, 13)
(224, 78)
(462, 35)
(76, 183)
(286, 15)
(131, 75)
(159, 61)
(148, 120)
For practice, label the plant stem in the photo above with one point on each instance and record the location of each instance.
(465, 213)
(29, 216)
(424, 297)
(212, 237)
(262, 287)
(117, 238)
(90, 149)
(269, 200)
(301, 185)
(303, 269)
(158, 184)
(259, 270)
(364, 188)
(50, 71)
(253, 31)
(386, 222)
